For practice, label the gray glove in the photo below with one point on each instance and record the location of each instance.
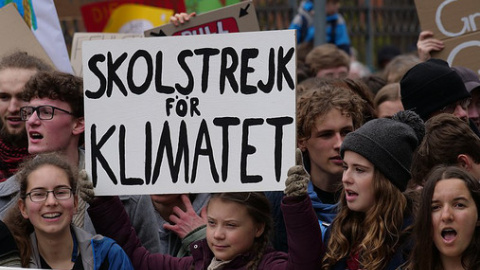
(85, 187)
(297, 178)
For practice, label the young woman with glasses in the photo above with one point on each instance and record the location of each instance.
(45, 209)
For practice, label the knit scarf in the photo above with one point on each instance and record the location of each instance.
(10, 158)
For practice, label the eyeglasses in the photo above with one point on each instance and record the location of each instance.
(44, 112)
(464, 103)
(41, 195)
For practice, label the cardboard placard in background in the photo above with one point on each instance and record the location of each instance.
(78, 38)
(240, 17)
(190, 114)
(17, 36)
(457, 24)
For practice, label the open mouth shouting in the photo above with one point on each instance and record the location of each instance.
(449, 235)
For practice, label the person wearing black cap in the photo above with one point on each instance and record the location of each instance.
(432, 87)
(472, 83)
(374, 216)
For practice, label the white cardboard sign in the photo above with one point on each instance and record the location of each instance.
(190, 114)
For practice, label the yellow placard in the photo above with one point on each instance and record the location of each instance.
(134, 18)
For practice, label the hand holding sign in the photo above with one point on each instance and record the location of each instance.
(186, 221)
(426, 44)
(297, 180)
(180, 18)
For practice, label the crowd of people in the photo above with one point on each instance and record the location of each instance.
(386, 176)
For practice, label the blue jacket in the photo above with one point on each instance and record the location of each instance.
(337, 32)
(325, 215)
(94, 251)
(325, 212)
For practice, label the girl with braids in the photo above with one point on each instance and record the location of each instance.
(371, 230)
(237, 233)
(447, 228)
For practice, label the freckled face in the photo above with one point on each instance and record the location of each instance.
(230, 229)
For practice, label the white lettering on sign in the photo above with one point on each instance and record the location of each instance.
(469, 24)
(206, 30)
(457, 49)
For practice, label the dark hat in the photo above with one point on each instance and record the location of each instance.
(469, 78)
(389, 144)
(429, 86)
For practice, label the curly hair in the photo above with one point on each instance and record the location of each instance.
(258, 208)
(20, 227)
(318, 101)
(425, 254)
(57, 85)
(375, 234)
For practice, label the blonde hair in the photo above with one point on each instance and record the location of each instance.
(326, 56)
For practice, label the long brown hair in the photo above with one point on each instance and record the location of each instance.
(376, 234)
(425, 255)
(20, 227)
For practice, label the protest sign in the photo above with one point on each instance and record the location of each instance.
(97, 14)
(78, 38)
(41, 18)
(457, 24)
(190, 114)
(232, 19)
(18, 36)
(133, 18)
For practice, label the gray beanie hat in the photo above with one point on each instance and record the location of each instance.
(389, 144)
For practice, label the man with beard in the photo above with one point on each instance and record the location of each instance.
(15, 70)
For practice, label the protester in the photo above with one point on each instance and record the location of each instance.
(54, 242)
(337, 32)
(238, 229)
(374, 82)
(15, 70)
(325, 115)
(327, 61)
(387, 101)
(449, 141)
(447, 233)
(373, 222)
(361, 89)
(472, 83)
(55, 123)
(432, 87)
(181, 221)
(398, 66)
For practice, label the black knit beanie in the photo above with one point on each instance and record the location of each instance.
(430, 86)
(389, 144)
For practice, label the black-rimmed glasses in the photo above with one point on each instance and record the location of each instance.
(44, 112)
(41, 195)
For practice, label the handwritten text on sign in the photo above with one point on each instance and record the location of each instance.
(190, 114)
